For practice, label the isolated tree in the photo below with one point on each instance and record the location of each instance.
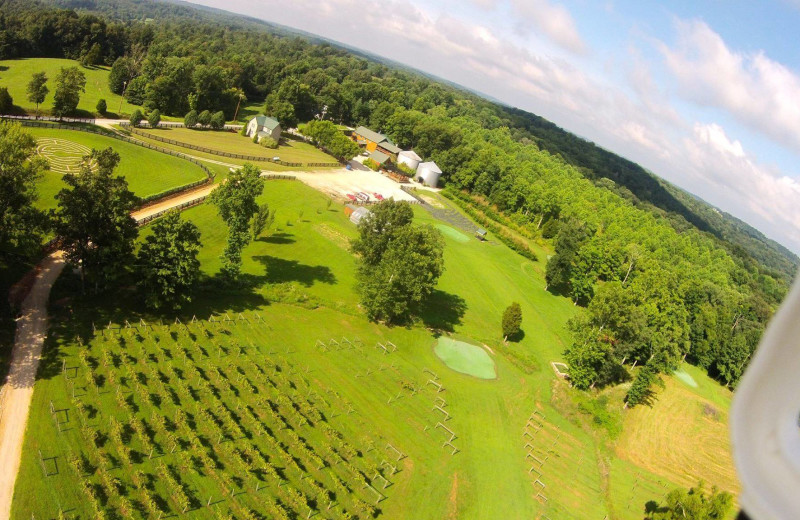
(168, 263)
(191, 119)
(70, 83)
(399, 263)
(6, 101)
(385, 219)
(240, 96)
(217, 121)
(236, 202)
(694, 504)
(262, 220)
(405, 276)
(136, 118)
(154, 118)
(37, 89)
(21, 223)
(93, 220)
(512, 320)
(101, 107)
(204, 118)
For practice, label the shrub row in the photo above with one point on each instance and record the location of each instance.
(497, 228)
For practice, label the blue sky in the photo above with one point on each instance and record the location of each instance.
(705, 94)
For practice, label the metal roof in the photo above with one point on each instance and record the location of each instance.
(375, 137)
(430, 165)
(379, 157)
(267, 122)
(389, 147)
(411, 154)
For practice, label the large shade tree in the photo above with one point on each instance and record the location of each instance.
(94, 222)
(70, 83)
(400, 263)
(168, 263)
(21, 224)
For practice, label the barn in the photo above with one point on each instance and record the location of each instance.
(374, 141)
(428, 173)
(409, 158)
(264, 126)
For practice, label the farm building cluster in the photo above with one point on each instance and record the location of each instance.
(383, 151)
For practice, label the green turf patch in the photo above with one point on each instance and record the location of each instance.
(453, 233)
(465, 358)
(686, 378)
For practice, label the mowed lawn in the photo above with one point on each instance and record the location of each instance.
(231, 142)
(15, 75)
(684, 436)
(148, 172)
(299, 279)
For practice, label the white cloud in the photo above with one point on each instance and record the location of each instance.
(553, 20)
(759, 92)
(735, 180)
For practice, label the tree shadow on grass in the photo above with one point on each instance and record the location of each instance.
(442, 311)
(278, 238)
(280, 270)
(516, 338)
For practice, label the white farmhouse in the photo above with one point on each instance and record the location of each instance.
(409, 158)
(264, 126)
(428, 173)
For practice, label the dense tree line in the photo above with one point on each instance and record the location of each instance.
(657, 286)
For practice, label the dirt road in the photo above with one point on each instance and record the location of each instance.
(172, 202)
(15, 398)
(18, 389)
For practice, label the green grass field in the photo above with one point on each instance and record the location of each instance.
(232, 142)
(273, 382)
(148, 172)
(15, 75)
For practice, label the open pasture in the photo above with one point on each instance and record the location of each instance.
(224, 141)
(15, 74)
(148, 172)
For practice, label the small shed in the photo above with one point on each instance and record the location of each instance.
(359, 214)
(428, 173)
(409, 158)
(480, 234)
(379, 157)
(349, 209)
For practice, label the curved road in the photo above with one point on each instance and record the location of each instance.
(17, 392)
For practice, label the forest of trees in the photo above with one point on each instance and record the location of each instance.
(658, 282)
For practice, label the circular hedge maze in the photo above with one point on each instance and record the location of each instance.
(62, 155)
